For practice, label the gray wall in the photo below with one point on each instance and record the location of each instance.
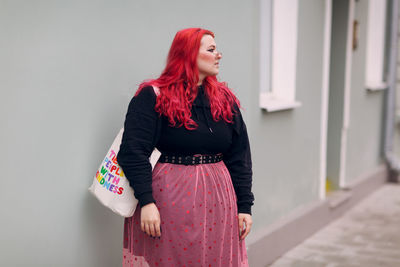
(396, 141)
(365, 132)
(69, 70)
(365, 135)
(286, 152)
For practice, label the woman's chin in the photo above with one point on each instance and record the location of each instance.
(215, 73)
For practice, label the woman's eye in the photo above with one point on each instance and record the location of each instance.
(211, 50)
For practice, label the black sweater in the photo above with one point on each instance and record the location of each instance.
(144, 129)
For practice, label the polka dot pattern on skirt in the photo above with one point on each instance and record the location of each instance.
(199, 221)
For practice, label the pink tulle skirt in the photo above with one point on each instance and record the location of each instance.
(199, 221)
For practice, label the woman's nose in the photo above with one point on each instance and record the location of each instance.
(219, 55)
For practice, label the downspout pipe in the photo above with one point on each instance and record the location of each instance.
(392, 160)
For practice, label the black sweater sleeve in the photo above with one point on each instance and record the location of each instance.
(238, 162)
(138, 142)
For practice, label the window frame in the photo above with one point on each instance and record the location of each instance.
(278, 54)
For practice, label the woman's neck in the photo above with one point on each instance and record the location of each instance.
(201, 79)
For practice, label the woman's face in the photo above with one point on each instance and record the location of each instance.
(208, 57)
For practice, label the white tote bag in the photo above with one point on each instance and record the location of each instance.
(110, 185)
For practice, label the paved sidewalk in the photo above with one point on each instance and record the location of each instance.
(367, 235)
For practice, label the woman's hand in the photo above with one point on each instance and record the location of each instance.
(244, 218)
(150, 220)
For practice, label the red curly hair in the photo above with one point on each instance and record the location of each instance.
(178, 83)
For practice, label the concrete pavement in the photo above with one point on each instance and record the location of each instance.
(367, 235)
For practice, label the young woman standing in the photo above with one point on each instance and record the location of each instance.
(195, 206)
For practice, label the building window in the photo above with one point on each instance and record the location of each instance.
(374, 71)
(278, 52)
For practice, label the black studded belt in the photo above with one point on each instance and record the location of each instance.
(190, 159)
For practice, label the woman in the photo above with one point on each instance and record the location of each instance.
(195, 206)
